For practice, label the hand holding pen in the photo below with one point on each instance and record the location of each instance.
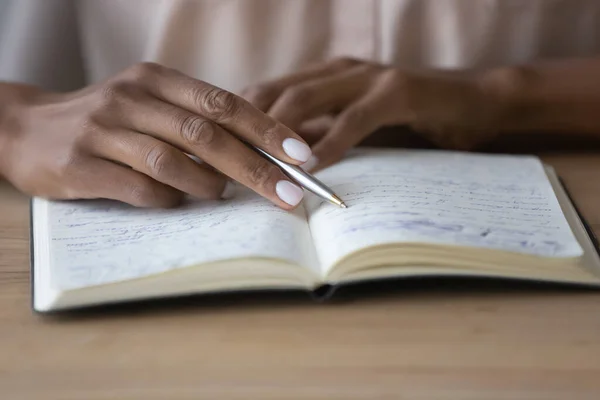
(306, 180)
(128, 138)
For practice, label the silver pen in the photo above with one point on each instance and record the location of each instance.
(304, 179)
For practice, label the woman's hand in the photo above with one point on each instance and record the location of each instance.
(129, 138)
(452, 111)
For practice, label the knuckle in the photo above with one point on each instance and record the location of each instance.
(357, 116)
(260, 94)
(260, 174)
(159, 158)
(91, 124)
(91, 128)
(111, 92)
(114, 94)
(67, 163)
(197, 131)
(300, 94)
(395, 77)
(217, 104)
(368, 68)
(268, 135)
(142, 72)
(255, 91)
(142, 193)
(145, 192)
(344, 63)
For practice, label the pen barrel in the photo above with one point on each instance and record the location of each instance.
(308, 182)
(303, 178)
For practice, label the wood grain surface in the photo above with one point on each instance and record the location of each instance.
(409, 340)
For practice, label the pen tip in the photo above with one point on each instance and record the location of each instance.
(339, 202)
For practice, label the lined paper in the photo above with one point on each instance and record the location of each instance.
(100, 242)
(496, 202)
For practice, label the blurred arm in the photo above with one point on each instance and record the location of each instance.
(558, 97)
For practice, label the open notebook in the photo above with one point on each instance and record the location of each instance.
(410, 213)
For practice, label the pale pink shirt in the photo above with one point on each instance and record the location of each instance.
(233, 43)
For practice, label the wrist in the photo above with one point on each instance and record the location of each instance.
(512, 90)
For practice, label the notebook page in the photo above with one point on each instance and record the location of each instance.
(497, 202)
(101, 242)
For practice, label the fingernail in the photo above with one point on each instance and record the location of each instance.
(289, 193)
(229, 190)
(296, 149)
(310, 164)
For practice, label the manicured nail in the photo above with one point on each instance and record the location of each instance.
(229, 190)
(310, 164)
(289, 193)
(296, 149)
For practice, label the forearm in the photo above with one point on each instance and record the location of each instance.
(12, 97)
(559, 97)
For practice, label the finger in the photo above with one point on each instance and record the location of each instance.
(163, 163)
(313, 130)
(321, 96)
(216, 147)
(107, 180)
(231, 112)
(382, 105)
(350, 128)
(263, 95)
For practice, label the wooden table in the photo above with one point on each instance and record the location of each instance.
(423, 340)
